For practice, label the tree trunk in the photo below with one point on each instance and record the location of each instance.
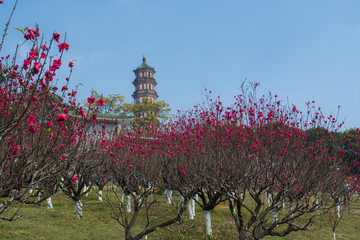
(49, 203)
(190, 210)
(122, 195)
(338, 210)
(169, 195)
(208, 229)
(181, 199)
(283, 203)
(274, 216)
(85, 189)
(193, 207)
(38, 197)
(100, 195)
(128, 203)
(232, 203)
(291, 208)
(269, 195)
(127, 232)
(78, 209)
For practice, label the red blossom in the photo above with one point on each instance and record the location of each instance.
(15, 150)
(63, 46)
(43, 55)
(56, 36)
(36, 68)
(26, 64)
(31, 120)
(64, 88)
(31, 34)
(100, 102)
(91, 100)
(73, 180)
(82, 112)
(57, 63)
(62, 117)
(33, 53)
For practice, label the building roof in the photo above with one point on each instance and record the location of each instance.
(144, 66)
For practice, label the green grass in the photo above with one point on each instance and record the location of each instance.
(39, 222)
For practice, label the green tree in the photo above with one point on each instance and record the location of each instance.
(113, 103)
(147, 112)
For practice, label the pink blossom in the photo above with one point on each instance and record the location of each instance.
(57, 63)
(43, 55)
(49, 76)
(63, 156)
(71, 64)
(64, 88)
(100, 102)
(91, 100)
(73, 180)
(31, 34)
(36, 68)
(102, 178)
(56, 36)
(63, 46)
(15, 150)
(31, 120)
(62, 117)
(33, 129)
(82, 112)
(26, 64)
(33, 53)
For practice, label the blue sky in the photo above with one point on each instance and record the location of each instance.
(301, 50)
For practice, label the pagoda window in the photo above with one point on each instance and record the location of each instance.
(149, 74)
(141, 74)
(149, 86)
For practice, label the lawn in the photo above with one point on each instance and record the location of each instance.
(39, 222)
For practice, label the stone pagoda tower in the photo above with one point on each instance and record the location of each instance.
(144, 83)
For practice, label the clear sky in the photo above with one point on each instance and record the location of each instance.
(301, 50)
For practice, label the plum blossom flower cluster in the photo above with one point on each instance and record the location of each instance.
(40, 126)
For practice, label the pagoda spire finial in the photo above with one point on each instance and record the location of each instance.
(144, 59)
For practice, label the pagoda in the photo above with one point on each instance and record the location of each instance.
(144, 83)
